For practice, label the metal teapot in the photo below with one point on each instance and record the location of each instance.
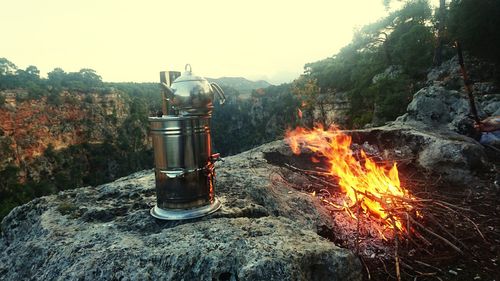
(191, 95)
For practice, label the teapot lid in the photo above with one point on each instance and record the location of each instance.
(187, 75)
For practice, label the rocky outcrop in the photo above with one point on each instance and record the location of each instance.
(437, 130)
(451, 157)
(264, 231)
(437, 108)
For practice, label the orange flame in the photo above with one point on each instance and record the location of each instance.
(373, 186)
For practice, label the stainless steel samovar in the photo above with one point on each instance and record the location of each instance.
(184, 163)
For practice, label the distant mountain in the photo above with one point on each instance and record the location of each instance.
(242, 85)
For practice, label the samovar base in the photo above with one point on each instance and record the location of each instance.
(185, 214)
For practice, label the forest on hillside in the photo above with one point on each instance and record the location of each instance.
(387, 61)
(378, 73)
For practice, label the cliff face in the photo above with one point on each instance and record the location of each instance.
(32, 125)
(56, 140)
(28, 127)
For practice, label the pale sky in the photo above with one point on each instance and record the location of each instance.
(133, 40)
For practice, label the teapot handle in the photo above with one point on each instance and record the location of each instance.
(220, 93)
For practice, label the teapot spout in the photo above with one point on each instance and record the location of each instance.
(220, 93)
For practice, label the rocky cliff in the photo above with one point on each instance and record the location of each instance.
(29, 126)
(437, 131)
(68, 139)
(264, 231)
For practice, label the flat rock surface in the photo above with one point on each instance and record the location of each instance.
(264, 231)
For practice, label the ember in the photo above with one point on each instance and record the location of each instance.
(371, 185)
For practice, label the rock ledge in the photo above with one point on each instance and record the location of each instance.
(264, 231)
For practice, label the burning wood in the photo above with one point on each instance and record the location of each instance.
(375, 214)
(374, 187)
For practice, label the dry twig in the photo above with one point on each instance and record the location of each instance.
(437, 236)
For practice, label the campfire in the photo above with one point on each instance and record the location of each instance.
(402, 225)
(373, 186)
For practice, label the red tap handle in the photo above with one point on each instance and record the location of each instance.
(215, 157)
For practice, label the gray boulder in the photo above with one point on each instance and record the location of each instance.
(434, 107)
(454, 158)
(439, 109)
(440, 118)
(444, 102)
(264, 231)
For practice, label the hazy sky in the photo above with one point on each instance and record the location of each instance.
(134, 40)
